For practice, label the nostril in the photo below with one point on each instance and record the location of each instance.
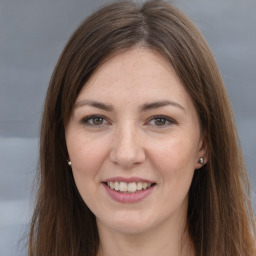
(127, 157)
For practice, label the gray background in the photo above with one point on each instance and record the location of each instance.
(32, 35)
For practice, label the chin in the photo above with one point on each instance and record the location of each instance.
(129, 223)
(131, 229)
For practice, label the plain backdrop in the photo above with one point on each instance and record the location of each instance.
(32, 36)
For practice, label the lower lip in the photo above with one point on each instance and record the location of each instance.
(123, 197)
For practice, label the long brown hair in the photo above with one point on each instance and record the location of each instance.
(220, 217)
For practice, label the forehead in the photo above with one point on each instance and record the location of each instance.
(138, 74)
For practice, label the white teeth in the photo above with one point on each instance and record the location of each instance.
(131, 187)
(128, 187)
(111, 184)
(139, 186)
(123, 187)
(116, 185)
(144, 185)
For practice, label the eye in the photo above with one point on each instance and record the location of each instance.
(161, 121)
(94, 120)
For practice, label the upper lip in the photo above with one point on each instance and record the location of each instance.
(128, 179)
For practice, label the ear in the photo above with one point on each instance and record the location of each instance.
(202, 153)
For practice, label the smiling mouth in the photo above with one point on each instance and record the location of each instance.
(131, 187)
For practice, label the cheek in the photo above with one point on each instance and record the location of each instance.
(173, 163)
(174, 159)
(86, 155)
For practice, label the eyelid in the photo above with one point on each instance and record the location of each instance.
(170, 121)
(85, 120)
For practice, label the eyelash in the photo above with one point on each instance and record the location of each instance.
(162, 118)
(91, 118)
(86, 120)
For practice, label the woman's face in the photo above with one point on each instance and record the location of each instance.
(134, 141)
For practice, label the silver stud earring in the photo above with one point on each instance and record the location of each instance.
(201, 160)
(69, 163)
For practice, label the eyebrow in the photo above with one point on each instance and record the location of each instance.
(145, 107)
(95, 104)
(159, 104)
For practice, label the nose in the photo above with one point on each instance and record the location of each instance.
(127, 148)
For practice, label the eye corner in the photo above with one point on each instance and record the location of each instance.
(95, 121)
(161, 121)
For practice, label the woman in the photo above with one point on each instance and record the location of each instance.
(139, 152)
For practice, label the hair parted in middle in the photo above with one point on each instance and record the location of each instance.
(218, 212)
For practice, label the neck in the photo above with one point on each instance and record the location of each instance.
(160, 241)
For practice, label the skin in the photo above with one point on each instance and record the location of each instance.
(127, 141)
